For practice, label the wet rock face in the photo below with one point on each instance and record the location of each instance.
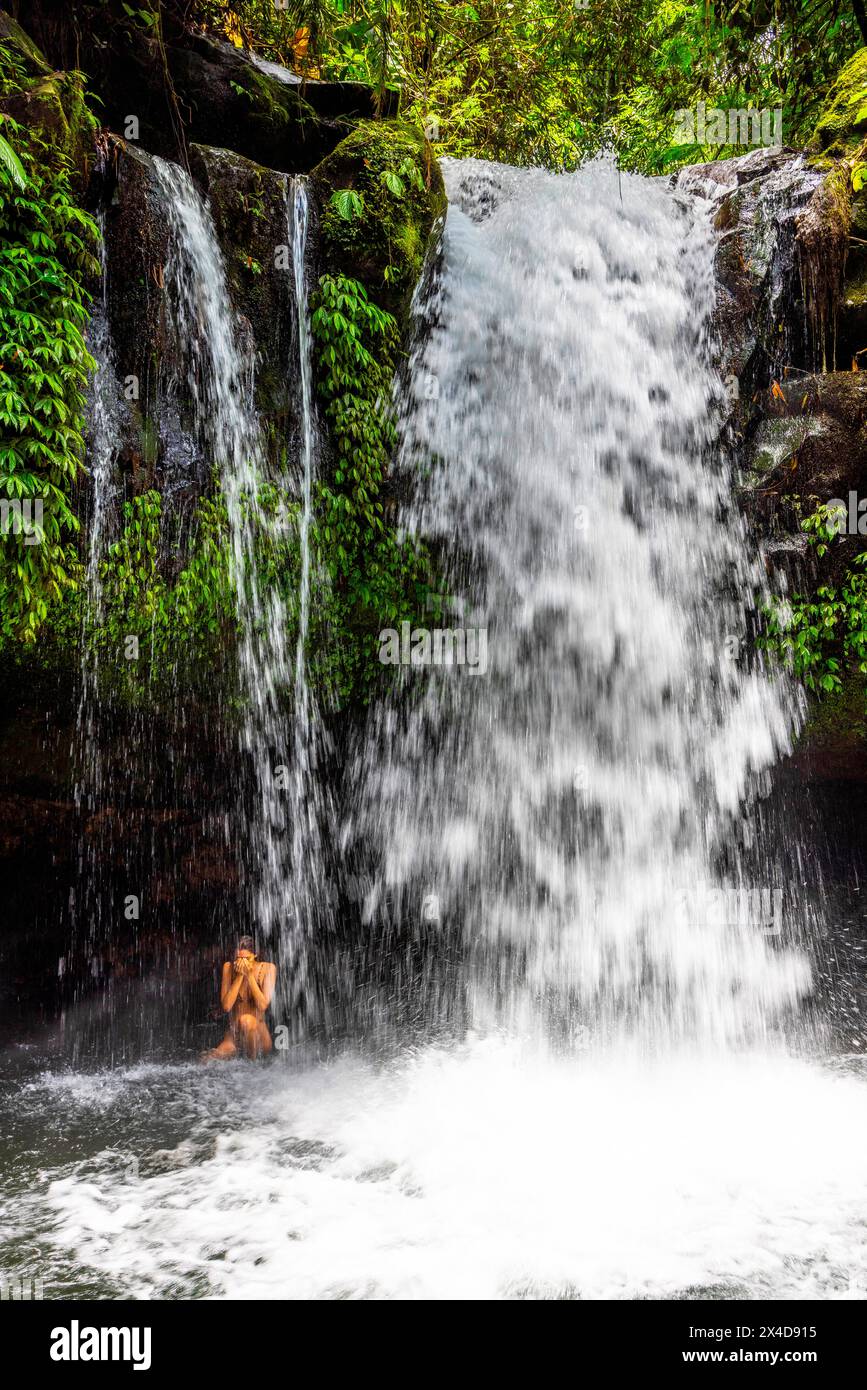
(780, 255)
(250, 210)
(807, 447)
(792, 310)
(156, 447)
(136, 239)
(797, 428)
(152, 838)
(251, 207)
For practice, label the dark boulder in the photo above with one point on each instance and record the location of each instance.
(782, 236)
(807, 446)
(173, 86)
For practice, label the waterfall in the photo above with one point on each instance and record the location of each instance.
(558, 808)
(279, 829)
(103, 441)
(105, 411)
(220, 380)
(104, 435)
(566, 803)
(307, 796)
(300, 214)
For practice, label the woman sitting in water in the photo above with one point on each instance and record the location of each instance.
(246, 991)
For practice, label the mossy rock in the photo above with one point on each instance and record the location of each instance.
(777, 442)
(23, 49)
(51, 105)
(842, 126)
(833, 742)
(183, 87)
(54, 108)
(380, 237)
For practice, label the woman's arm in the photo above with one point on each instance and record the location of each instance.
(264, 993)
(229, 987)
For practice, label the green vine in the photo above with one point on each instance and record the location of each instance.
(373, 578)
(377, 578)
(185, 624)
(821, 637)
(46, 246)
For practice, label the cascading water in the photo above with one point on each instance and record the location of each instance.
(308, 802)
(104, 435)
(220, 383)
(561, 815)
(300, 215)
(588, 771)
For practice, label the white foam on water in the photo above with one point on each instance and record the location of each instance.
(492, 1170)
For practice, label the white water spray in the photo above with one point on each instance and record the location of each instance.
(577, 823)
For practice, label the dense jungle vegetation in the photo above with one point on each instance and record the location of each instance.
(547, 82)
(551, 81)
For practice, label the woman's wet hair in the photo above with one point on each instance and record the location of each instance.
(246, 943)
